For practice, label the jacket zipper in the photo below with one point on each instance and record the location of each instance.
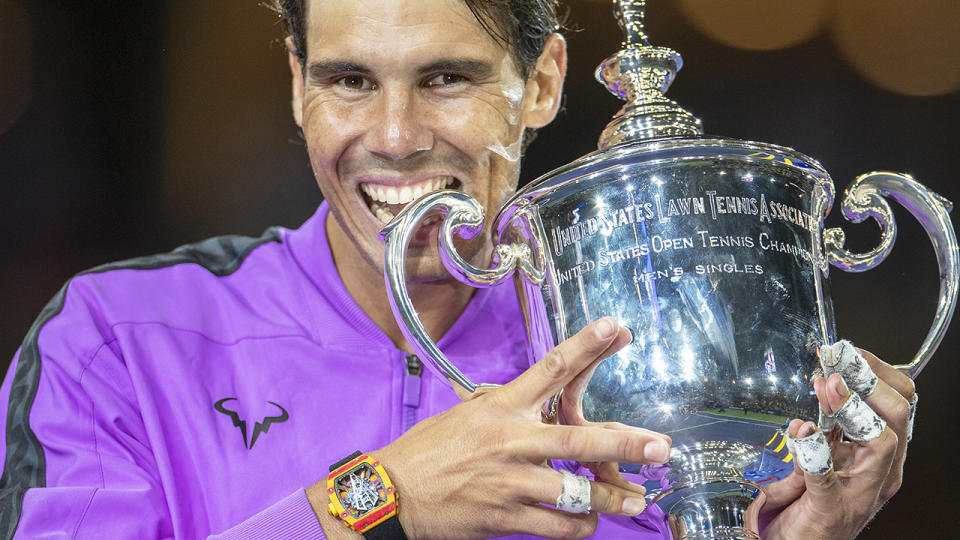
(411, 390)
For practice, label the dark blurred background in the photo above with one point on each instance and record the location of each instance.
(128, 128)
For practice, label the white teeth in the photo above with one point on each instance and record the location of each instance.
(392, 196)
(402, 195)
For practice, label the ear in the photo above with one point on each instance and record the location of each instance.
(544, 88)
(296, 72)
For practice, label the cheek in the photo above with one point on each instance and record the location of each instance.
(487, 126)
(328, 128)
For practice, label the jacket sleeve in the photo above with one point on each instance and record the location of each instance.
(76, 459)
(291, 518)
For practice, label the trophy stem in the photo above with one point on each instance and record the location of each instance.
(715, 510)
(707, 495)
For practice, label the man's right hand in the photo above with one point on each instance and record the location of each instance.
(479, 469)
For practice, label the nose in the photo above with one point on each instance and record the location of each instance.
(399, 128)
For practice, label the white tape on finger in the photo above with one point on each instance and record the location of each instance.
(813, 454)
(858, 420)
(575, 493)
(789, 440)
(843, 358)
(913, 413)
(827, 421)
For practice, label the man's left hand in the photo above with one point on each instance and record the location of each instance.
(838, 503)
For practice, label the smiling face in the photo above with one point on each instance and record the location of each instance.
(402, 98)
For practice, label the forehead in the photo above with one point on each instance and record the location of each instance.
(392, 28)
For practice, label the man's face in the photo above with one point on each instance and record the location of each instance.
(401, 98)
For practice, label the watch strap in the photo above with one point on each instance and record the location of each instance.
(388, 530)
(345, 460)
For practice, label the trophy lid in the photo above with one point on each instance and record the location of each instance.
(640, 74)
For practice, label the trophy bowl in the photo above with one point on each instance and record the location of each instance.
(713, 252)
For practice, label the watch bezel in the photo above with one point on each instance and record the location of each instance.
(362, 522)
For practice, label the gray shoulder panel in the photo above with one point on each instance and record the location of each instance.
(24, 466)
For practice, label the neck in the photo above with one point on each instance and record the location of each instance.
(438, 303)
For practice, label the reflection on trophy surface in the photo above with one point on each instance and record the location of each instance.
(713, 252)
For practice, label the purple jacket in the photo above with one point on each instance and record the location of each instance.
(199, 392)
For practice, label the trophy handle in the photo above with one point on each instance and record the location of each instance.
(461, 214)
(865, 198)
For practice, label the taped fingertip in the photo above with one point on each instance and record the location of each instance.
(827, 359)
(812, 454)
(843, 358)
(913, 413)
(858, 421)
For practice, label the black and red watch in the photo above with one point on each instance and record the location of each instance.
(363, 497)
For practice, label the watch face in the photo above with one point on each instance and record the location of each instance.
(360, 490)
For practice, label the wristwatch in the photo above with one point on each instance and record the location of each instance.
(363, 497)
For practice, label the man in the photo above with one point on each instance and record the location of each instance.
(209, 390)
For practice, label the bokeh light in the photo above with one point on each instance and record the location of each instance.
(758, 25)
(910, 48)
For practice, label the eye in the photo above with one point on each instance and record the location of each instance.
(355, 82)
(445, 79)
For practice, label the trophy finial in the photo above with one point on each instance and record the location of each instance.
(640, 74)
(630, 16)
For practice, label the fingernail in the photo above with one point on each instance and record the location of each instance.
(842, 387)
(656, 451)
(633, 506)
(605, 328)
(805, 430)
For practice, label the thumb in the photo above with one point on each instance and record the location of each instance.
(813, 457)
(561, 365)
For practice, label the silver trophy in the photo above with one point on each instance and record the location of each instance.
(713, 252)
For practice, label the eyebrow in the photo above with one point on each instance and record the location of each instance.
(321, 70)
(478, 69)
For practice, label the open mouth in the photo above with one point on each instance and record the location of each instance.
(386, 201)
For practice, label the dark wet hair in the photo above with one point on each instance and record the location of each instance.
(520, 26)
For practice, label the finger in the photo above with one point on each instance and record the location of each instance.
(609, 472)
(551, 523)
(828, 419)
(855, 417)
(783, 492)
(913, 414)
(589, 443)
(903, 385)
(843, 358)
(550, 485)
(895, 401)
(564, 362)
(811, 449)
(857, 371)
(812, 456)
(620, 426)
(897, 379)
